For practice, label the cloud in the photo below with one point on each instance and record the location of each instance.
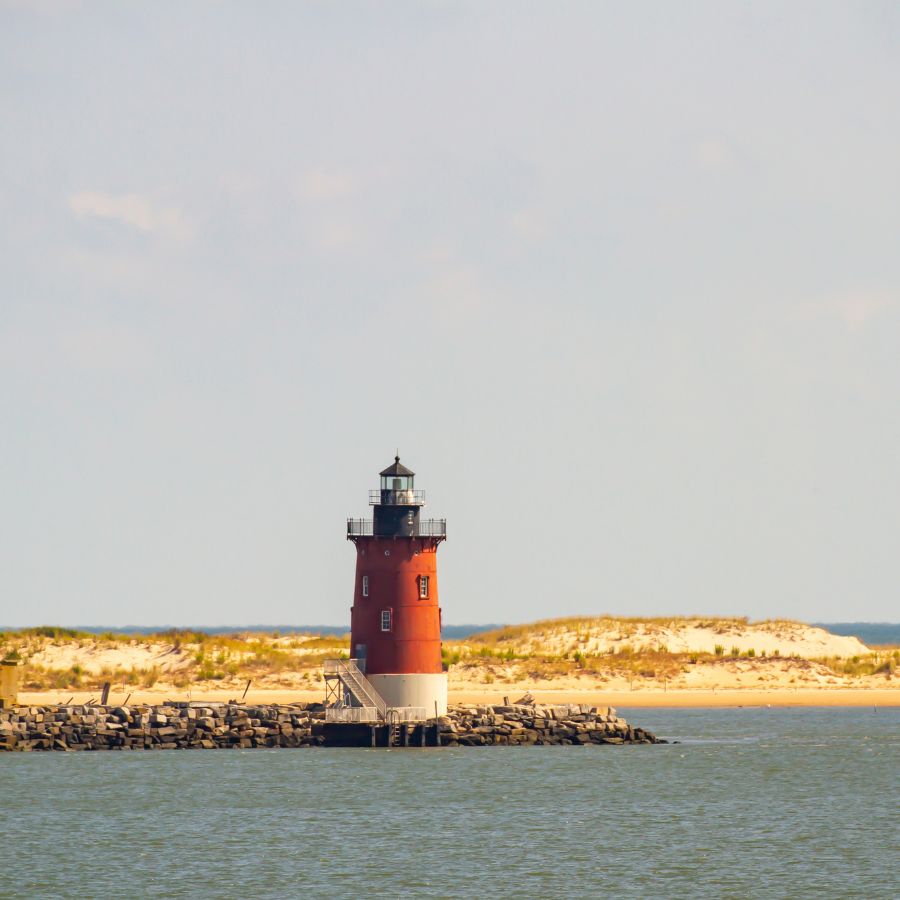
(110, 268)
(857, 310)
(43, 7)
(329, 210)
(92, 348)
(712, 155)
(529, 225)
(135, 210)
(458, 296)
(322, 184)
(332, 236)
(105, 348)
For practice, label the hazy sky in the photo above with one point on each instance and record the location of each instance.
(620, 280)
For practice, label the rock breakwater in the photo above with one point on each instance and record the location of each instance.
(532, 724)
(168, 726)
(211, 726)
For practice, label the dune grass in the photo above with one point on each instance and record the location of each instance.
(883, 661)
(625, 626)
(177, 657)
(553, 648)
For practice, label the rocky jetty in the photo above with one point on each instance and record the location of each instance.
(475, 726)
(169, 726)
(210, 726)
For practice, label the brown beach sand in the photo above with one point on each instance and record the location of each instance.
(640, 697)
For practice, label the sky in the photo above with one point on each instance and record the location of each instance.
(621, 281)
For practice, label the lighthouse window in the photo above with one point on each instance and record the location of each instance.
(365, 586)
(386, 619)
(396, 483)
(423, 585)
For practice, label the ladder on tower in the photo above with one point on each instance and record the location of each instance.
(354, 682)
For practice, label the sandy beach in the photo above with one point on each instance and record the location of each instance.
(641, 697)
(700, 699)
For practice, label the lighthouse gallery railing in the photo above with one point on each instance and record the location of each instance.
(427, 528)
(397, 498)
(368, 715)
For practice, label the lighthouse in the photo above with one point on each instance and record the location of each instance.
(395, 620)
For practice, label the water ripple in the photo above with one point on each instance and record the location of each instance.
(752, 803)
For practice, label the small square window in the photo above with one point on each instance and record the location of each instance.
(386, 619)
(423, 585)
(365, 586)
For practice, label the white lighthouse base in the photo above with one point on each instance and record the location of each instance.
(413, 690)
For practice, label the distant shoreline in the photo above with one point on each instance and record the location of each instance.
(448, 632)
(871, 633)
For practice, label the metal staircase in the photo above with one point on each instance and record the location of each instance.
(343, 677)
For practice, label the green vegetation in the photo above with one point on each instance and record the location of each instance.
(885, 661)
(624, 625)
(63, 658)
(450, 658)
(54, 632)
(176, 657)
(318, 642)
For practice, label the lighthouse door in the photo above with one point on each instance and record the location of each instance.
(360, 653)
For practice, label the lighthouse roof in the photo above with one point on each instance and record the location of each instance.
(396, 469)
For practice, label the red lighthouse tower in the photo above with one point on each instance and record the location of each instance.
(395, 620)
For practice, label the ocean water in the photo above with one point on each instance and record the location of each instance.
(751, 803)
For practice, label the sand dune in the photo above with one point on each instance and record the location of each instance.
(597, 658)
(680, 635)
